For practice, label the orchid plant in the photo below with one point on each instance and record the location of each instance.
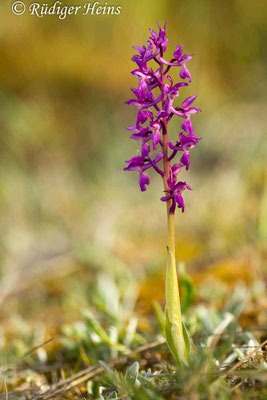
(154, 112)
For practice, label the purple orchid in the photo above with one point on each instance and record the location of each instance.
(154, 113)
(142, 163)
(185, 112)
(179, 60)
(187, 142)
(175, 195)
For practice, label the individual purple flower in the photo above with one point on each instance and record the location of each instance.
(151, 131)
(143, 78)
(145, 99)
(174, 171)
(144, 180)
(155, 99)
(187, 142)
(175, 195)
(140, 131)
(145, 54)
(186, 112)
(155, 127)
(179, 60)
(171, 92)
(142, 163)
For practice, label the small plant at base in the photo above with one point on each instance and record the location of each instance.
(151, 128)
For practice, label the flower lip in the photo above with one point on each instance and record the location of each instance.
(144, 181)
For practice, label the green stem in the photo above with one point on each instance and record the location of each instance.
(171, 233)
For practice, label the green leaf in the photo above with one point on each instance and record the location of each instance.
(169, 338)
(186, 341)
(107, 369)
(112, 395)
(171, 344)
(130, 331)
(175, 333)
(97, 328)
(134, 369)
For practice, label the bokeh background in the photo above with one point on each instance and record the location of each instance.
(68, 212)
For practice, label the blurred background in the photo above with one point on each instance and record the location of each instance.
(70, 215)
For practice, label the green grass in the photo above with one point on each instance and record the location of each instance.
(105, 348)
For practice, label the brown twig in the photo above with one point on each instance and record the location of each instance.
(33, 349)
(244, 359)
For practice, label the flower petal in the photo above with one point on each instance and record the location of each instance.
(188, 101)
(184, 73)
(144, 180)
(178, 52)
(166, 198)
(185, 159)
(193, 110)
(187, 126)
(180, 201)
(145, 149)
